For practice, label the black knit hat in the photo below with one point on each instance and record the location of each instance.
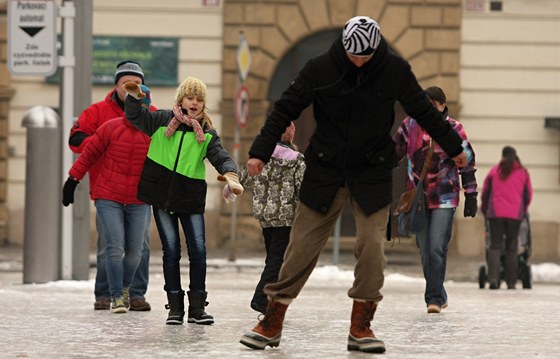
(128, 67)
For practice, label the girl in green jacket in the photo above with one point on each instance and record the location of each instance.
(174, 182)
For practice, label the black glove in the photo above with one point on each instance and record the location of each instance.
(68, 191)
(471, 205)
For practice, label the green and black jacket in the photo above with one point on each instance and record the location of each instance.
(174, 174)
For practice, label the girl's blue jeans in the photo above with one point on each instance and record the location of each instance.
(195, 235)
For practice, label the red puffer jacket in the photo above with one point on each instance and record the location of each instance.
(120, 149)
(89, 121)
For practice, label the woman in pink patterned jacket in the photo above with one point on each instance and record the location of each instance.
(506, 196)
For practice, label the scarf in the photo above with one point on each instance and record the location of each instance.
(180, 118)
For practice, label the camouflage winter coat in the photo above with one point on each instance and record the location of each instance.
(276, 189)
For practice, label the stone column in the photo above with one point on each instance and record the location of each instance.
(6, 93)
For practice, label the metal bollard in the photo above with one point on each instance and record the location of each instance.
(43, 183)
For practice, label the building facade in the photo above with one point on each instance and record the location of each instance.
(498, 62)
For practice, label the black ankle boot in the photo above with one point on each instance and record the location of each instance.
(197, 302)
(176, 306)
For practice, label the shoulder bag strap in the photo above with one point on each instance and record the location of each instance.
(424, 170)
(427, 161)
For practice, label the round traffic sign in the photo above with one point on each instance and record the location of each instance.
(242, 106)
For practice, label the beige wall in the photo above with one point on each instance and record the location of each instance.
(199, 30)
(510, 81)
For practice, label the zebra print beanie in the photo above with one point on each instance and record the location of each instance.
(361, 36)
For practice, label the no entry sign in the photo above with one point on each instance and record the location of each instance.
(242, 106)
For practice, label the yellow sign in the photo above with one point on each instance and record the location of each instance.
(243, 57)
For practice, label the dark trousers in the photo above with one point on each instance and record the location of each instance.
(504, 235)
(275, 240)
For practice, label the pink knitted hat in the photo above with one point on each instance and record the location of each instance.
(288, 135)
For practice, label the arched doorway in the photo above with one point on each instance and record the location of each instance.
(287, 70)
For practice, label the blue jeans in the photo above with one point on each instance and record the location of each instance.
(195, 235)
(139, 285)
(433, 241)
(123, 229)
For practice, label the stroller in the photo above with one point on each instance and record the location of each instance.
(523, 254)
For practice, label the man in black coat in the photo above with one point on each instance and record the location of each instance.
(353, 87)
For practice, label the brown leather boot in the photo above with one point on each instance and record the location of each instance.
(269, 330)
(361, 336)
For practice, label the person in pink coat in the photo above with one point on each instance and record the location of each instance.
(506, 196)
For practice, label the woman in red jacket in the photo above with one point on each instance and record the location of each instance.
(506, 196)
(121, 150)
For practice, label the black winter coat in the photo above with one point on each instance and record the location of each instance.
(354, 114)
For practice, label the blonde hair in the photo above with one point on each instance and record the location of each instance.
(193, 87)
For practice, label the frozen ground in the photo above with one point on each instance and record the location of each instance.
(56, 319)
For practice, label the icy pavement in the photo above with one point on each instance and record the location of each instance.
(57, 320)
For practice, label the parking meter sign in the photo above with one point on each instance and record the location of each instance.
(32, 37)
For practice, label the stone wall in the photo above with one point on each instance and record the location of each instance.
(6, 93)
(425, 32)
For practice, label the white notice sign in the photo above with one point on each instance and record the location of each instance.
(32, 37)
